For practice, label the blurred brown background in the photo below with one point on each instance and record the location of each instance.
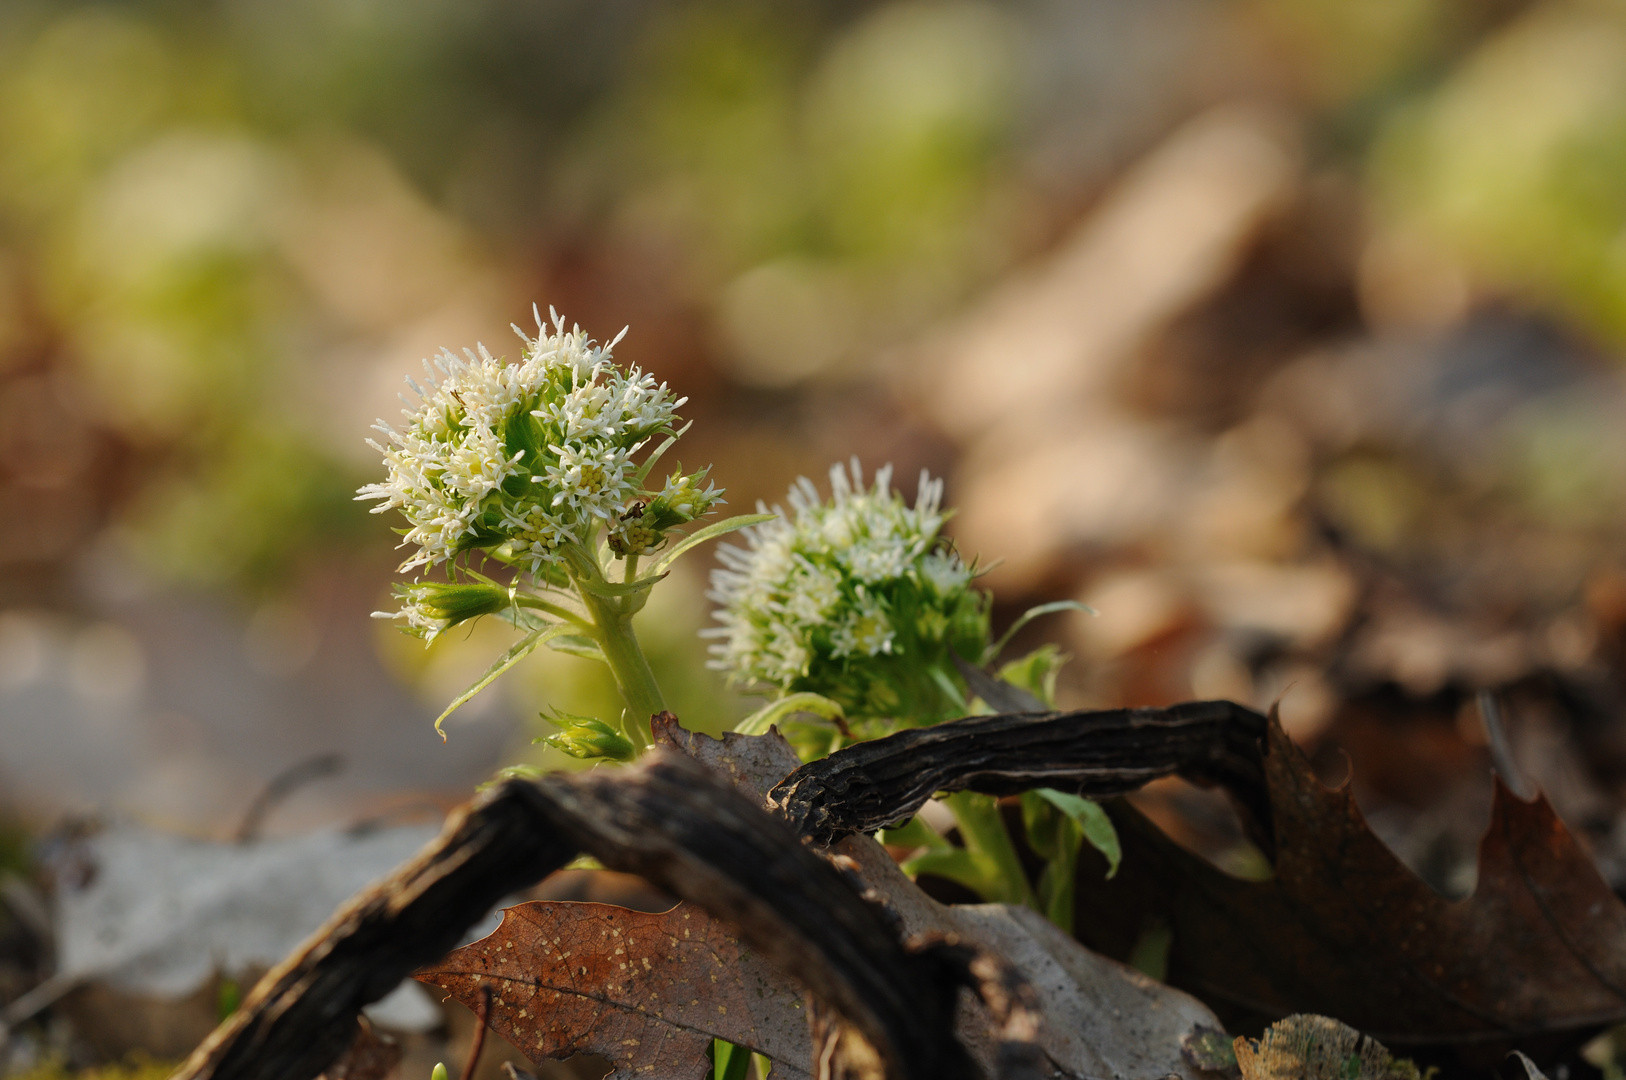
(1285, 333)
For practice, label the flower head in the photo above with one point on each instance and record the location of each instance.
(857, 598)
(533, 455)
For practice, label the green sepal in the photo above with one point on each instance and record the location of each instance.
(455, 601)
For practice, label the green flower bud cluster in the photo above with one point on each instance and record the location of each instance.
(644, 526)
(858, 599)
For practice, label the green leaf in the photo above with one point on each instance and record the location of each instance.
(523, 619)
(655, 455)
(520, 650)
(1091, 820)
(577, 645)
(710, 532)
(612, 590)
(1150, 954)
(912, 834)
(1028, 616)
(1036, 672)
(960, 866)
(729, 1062)
(764, 718)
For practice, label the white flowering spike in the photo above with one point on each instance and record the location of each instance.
(533, 455)
(857, 598)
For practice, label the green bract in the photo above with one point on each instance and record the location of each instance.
(858, 599)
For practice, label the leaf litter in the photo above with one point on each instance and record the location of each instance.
(1101, 1017)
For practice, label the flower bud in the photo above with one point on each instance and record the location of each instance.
(430, 607)
(682, 500)
(586, 738)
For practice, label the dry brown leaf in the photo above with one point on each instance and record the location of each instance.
(649, 992)
(1317, 1048)
(1345, 929)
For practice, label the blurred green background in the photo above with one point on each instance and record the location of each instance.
(228, 229)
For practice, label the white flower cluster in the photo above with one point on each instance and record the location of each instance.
(856, 577)
(532, 454)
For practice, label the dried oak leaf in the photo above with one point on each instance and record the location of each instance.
(649, 992)
(1343, 928)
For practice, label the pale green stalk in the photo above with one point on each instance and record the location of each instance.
(983, 832)
(611, 629)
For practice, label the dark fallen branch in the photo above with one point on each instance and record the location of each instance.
(1093, 753)
(886, 1008)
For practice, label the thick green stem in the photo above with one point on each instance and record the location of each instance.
(982, 830)
(613, 630)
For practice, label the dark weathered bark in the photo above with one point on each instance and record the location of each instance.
(1094, 753)
(302, 1016)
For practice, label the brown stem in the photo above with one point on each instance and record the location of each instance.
(479, 1042)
